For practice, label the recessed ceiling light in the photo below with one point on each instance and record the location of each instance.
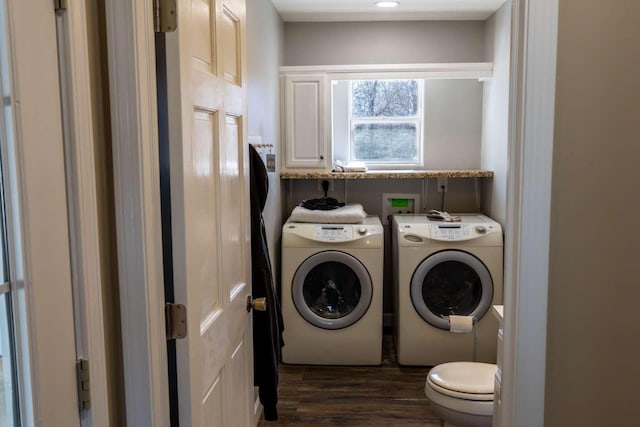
(387, 3)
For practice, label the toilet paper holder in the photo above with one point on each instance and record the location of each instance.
(464, 324)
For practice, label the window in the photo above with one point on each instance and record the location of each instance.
(385, 121)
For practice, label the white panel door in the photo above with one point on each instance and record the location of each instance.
(210, 211)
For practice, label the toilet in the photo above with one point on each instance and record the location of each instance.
(462, 393)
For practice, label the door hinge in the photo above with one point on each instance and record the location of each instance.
(82, 376)
(165, 18)
(176, 321)
(60, 5)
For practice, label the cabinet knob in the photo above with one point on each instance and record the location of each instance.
(321, 156)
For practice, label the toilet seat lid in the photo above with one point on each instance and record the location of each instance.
(464, 377)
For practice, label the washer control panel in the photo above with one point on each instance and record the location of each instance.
(332, 233)
(450, 231)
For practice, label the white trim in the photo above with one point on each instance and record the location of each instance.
(462, 70)
(533, 67)
(11, 168)
(37, 218)
(257, 408)
(82, 206)
(131, 50)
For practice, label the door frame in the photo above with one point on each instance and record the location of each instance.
(132, 82)
(48, 160)
(79, 141)
(132, 79)
(530, 156)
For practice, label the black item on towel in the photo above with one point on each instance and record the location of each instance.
(323, 204)
(267, 325)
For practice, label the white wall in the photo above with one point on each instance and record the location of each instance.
(342, 43)
(452, 123)
(495, 127)
(593, 334)
(265, 41)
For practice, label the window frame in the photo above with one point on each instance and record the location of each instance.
(418, 120)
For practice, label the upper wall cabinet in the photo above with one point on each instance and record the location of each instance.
(305, 121)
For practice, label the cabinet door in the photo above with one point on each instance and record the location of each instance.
(305, 121)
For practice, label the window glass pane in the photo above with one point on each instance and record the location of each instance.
(6, 367)
(384, 98)
(384, 142)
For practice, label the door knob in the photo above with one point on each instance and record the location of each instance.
(258, 304)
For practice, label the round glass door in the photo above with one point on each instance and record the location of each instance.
(332, 290)
(451, 282)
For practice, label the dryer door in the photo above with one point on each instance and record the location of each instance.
(332, 290)
(451, 282)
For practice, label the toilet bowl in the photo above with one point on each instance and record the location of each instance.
(462, 393)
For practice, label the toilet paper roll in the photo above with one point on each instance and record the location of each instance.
(460, 323)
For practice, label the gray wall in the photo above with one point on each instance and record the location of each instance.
(495, 129)
(593, 344)
(345, 43)
(460, 196)
(342, 43)
(265, 42)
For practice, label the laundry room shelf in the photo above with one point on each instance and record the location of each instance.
(393, 174)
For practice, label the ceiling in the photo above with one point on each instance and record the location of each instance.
(366, 10)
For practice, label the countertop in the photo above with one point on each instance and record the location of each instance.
(391, 174)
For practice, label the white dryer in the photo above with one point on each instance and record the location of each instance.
(442, 269)
(332, 293)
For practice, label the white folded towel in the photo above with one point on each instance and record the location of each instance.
(348, 214)
(355, 167)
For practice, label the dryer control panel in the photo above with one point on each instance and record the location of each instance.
(473, 229)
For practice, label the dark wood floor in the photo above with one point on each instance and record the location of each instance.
(386, 395)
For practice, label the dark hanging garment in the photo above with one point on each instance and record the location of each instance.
(267, 325)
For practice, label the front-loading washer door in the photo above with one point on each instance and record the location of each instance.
(332, 290)
(451, 282)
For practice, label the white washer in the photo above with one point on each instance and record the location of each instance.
(332, 293)
(444, 268)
